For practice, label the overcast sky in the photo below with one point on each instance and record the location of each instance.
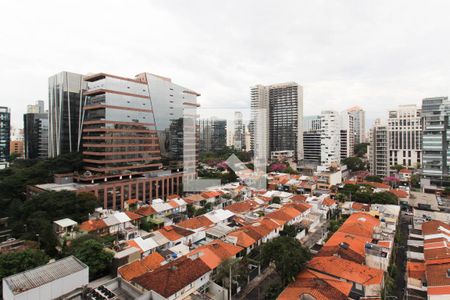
(376, 54)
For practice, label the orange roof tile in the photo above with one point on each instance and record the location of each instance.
(132, 201)
(243, 239)
(351, 271)
(173, 196)
(300, 198)
(195, 223)
(241, 207)
(399, 193)
(174, 233)
(437, 275)
(215, 252)
(133, 216)
(360, 206)
(211, 194)
(318, 285)
(416, 270)
(377, 185)
(139, 267)
(92, 225)
(145, 211)
(328, 202)
(191, 199)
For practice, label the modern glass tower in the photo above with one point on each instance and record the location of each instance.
(212, 135)
(5, 133)
(64, 110)
(435, 143)
(35, 127)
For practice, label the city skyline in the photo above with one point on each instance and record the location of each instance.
(383, 63)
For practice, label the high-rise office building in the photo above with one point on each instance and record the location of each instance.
(347, 137)
(359, 123)
(5, 133)
(238, 132)
(212, 135)
(379, 149)
(37, 108)
(311, 123)
(435, 143)
(330, 138)
(278, 110)
(405, 136)
(65, 107)
(35, 135)
(312, 147)
(119, 134)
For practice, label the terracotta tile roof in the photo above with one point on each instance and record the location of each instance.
(194, 198)
(416, 270)
(328, 202)
(377, 185)
(407, 171)
(318, 285)
(351, 271)
(399, 193)
(215, 252)
(172, 277)
(243, 238)
(361, 224)
(195, 223)
(139, 267)
(211, 194)
(145, 211)
(437, 275)
(360, 206)
(433, 227)
(438, 290)
(132, 201)
(133, 216)
(132, 243)
(353, 250)
(241, 207)
(173, 196)
(301, 207)
(92, 225)
(174, 233)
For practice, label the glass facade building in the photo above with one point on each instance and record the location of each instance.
(64, 110)
(212, 135)
(435, 143)
(35, 135)
(5, 133)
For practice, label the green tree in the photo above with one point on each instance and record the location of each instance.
(361, 149)
(354, 163)
(276, 200)
(397, 167)
(92, 253)
(288, 255)
(273, 291)
(415, 181)
(16, 262)
(291, 230)
(374, 178)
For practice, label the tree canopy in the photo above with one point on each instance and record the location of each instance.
(288, 255)
(16, 262)
(361, 149)
(354, 163)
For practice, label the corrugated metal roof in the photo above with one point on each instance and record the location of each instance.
(31, 279)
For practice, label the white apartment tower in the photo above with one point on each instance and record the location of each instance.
(379, 149)
(359, 123)
(405, 136)
(277, 118)
(239, 132)
(347, 134)
(330, 138)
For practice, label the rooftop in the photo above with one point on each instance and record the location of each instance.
(39, 276)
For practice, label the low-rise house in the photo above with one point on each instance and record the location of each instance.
(49, 281)
(195, 199)
(112, 222)
(310, 284)
(140, 267)
(215, 252)
(175, 280)
(65, 228)
(366, 281)
(220, 216)
(178, 235)
(240, 208)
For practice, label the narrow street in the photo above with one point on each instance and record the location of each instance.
(400, 284)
